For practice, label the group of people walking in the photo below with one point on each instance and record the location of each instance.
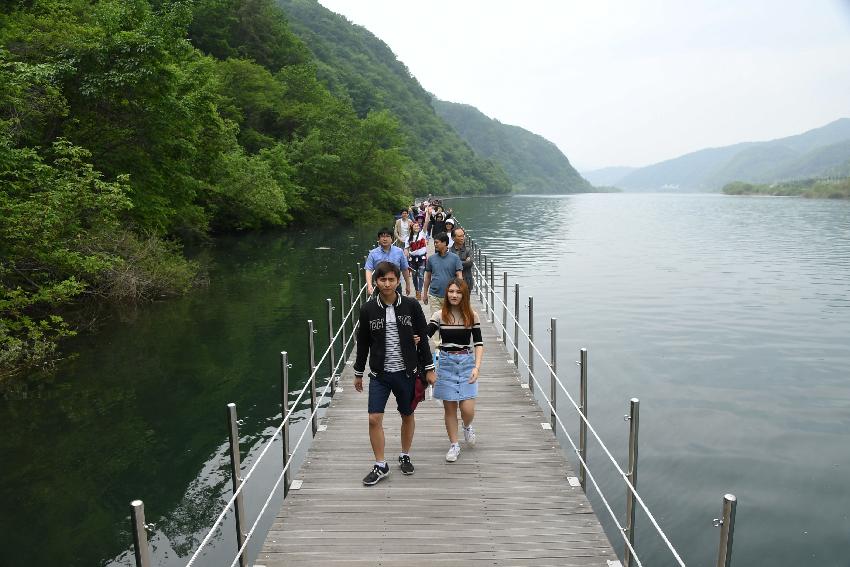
(394, 334)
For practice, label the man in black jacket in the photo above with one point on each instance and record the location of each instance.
(393, 333)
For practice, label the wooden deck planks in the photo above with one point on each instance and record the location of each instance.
(504, 502)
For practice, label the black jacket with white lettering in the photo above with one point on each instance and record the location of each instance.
(371, 335)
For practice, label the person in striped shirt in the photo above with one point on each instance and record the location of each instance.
(391, 335)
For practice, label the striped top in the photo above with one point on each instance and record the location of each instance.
(393, 361)
(454, 336)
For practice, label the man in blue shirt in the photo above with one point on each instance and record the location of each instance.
(440, 269)
(387, 252)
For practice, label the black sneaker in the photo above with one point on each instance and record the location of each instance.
(405, 464)
(376, 475)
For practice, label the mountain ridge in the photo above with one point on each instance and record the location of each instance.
(533, 163)
(356, 64)
(817, 152)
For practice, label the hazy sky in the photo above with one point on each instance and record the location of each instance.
(627, 82)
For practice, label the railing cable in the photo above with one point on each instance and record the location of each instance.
(274, 435)
(280, 477)
(563, 388)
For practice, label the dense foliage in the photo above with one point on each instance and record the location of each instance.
(811, 188)
(359, 67)
(127, 125)
(533, 163)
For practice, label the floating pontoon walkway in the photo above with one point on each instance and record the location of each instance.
(507, 501)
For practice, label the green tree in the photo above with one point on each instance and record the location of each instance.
(247, 29)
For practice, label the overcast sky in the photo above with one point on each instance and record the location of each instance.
(627, 82)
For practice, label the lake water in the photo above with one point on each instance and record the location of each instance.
(139, 412)
(729, 317)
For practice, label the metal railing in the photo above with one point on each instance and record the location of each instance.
(236, 501)
(485, 285)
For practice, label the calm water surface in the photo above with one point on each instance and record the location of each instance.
(729, 318)
(140, 411)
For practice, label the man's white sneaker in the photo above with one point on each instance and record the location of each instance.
(469, 436)
(454, 451)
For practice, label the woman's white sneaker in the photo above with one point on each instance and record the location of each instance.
(454, 451)
(469, 436)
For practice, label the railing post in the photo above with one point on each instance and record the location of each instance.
(492, 318)
(284, 408)
(351, 299)
(342, 325)
(332, 377)
(553, 369)
(359, 287)
(516, 325)
(236, 477)
(311, 354)
(634, 424)
(140, 536)
(582, 425)
(483, 288)
(531, 345)
(505, 308)
(727, 530)
(482, 268)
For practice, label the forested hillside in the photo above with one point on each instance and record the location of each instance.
(358, 66)
(128, 125)
(533, 163)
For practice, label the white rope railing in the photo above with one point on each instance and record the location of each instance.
(279, 429)
(283, 472)
(539, 386)
(584, 465)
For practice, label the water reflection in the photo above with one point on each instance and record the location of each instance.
(727, 318)
(140, 412)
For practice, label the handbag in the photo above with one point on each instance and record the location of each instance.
(419, 387)
(419, 383)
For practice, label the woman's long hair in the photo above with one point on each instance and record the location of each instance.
(411, 236)
(465, 307)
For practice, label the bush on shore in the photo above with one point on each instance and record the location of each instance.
(62, 240)
(808, 188)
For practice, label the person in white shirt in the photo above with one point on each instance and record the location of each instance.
(416, 248)
(450, 229)
(402, 228)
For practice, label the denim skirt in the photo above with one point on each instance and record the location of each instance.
(453, 375)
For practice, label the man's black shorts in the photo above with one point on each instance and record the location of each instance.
(380, 386)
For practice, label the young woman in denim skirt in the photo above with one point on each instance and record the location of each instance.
(461, 351)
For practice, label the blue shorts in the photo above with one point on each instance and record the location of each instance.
(453, 377)
(380, 386)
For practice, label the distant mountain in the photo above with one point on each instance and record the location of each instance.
(607, 176)
(357, 66)
(533, 163)
(822, 152)
(831, 161)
